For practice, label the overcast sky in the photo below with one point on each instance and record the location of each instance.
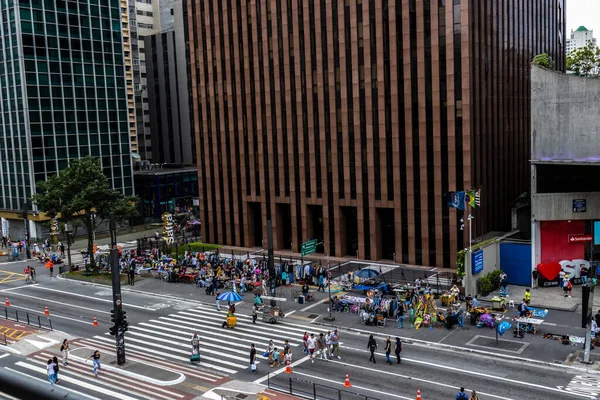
(583, 12)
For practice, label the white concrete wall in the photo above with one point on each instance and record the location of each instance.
(491, 262)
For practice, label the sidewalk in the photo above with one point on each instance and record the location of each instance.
(550, 298)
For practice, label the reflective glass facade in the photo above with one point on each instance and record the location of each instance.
(62, 93)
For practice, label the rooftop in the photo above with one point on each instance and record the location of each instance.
(582, 29)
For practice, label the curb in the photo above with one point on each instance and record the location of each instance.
(564, 309)
(458, 349)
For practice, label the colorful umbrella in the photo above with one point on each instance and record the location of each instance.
(229, 296)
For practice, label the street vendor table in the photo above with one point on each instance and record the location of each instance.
(526, 321)
(498, 304)
(354, 299)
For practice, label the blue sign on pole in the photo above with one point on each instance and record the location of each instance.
(477, 262)
(596, 232)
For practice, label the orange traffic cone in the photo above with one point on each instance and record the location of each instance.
(288, 368)
(6, 302)
(95, 322)
(46, 312)
(347, 383)
(419, 395)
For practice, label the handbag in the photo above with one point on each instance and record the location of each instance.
(266, 354)
(253, 367)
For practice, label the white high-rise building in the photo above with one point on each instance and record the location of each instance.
(580, 38)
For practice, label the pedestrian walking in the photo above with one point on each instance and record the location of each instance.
(217, 301)
(534, 278)
(388, 349)
(132, 274)
(276, 355)
(50, 368)
(305, 342)
(583, 273)
(328, 344)
(504, 283)
(372, 346)
(335, 344)
(254, 313)
(567, 286)
(56, 369)
(64, 348)
(398, 350)
(195, 341)
(461, 395)
(474, 396)
(400, 315)
(95, 357)
(322, 347)
(311, 343)
(252, 358)
(320, 283)
(287, 351)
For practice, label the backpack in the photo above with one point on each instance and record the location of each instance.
(464, 396)
(55, 367)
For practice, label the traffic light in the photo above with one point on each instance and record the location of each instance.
(124, 323)
(113, 330)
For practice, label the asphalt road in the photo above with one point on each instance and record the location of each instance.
(163, 325)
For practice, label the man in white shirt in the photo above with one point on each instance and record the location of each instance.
(312, 342)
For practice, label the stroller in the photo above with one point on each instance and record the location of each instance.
(503, 292)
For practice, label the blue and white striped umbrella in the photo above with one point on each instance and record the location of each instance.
(229, 296)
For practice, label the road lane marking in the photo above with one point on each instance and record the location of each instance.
(60, 302)
(18, 287)
(446, 367)
(281, 370)
(4, 355)
(67, 377)
(41, 312)
(93, 298)
(314, 305)
(353, 386)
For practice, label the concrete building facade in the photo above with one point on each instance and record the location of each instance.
(347, 121)
(167, 66)
(565, 164)
(63, 95)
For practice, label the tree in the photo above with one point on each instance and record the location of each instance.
(584, 61)
(82, 190)
(543, 60)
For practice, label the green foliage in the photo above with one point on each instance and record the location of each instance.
(543, 60)
(490, 281)
(77, 191)
(460, 256)
(584, 61)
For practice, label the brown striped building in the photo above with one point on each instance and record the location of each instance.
(347, 120)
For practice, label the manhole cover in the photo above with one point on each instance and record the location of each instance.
(241, 396)
(313, 316)
(112, 363)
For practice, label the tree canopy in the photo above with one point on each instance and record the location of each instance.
(80, 189)
(584, 61)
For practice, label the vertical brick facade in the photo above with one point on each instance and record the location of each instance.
(347, 120)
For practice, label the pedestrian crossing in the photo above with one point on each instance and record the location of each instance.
(164, 343)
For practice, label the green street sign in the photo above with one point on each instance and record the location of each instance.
(309, 247)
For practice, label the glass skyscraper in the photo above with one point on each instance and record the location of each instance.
(63, 94)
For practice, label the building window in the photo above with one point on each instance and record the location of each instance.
(145, 26)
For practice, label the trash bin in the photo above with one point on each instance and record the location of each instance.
(300, 299)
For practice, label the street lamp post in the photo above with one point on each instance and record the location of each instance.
(25, 216)
(68, 233)
(329, 318)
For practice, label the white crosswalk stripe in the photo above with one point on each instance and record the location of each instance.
(164, 342)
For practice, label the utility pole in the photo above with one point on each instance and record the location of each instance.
(118, 315)
(271, 262)
(25, 215)
(68, 233)
(329, 318)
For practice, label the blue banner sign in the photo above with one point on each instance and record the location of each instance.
(477, 262)
(596, 232)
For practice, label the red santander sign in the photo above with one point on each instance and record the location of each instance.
(580, 238)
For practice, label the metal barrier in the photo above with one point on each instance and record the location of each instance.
(311, 390)
(26, 318)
